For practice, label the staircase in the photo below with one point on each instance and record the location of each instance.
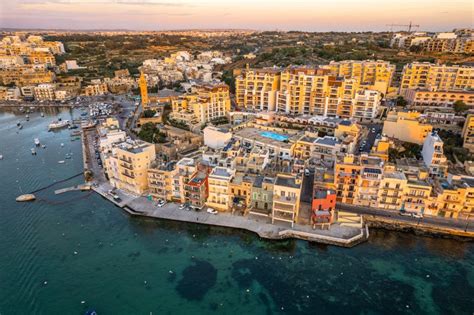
(350, 219)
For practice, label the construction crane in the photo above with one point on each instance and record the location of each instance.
(410, 26)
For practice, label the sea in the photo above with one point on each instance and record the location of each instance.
(76, 253)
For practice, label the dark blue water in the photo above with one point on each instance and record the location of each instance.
(70, 253)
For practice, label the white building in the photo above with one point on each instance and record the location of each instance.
(216, 138)
(366, 104)
(219, 194)
(433, 155)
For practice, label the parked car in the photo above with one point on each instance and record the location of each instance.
(306, 172)
(161, 203)
(212, 211)
(405, 214)
(418, 215)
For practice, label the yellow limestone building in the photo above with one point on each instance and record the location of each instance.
(406, 126)
(424, 75)
(255, 89)
(127, 166)
(205, 103)
(372, 74)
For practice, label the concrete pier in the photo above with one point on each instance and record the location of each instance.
(142, 207)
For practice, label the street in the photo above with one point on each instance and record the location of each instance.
(464, 225)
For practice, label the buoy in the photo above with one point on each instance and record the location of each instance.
(75, 253)
(45, 283)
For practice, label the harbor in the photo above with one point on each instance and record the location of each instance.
(79, 247)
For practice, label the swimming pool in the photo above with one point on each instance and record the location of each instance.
(274, 136)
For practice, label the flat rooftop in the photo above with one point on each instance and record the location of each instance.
(287, 182)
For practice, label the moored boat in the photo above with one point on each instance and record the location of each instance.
(58, 124)
(37, 142)
(26, 197)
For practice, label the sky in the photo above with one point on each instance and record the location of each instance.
(304, 15)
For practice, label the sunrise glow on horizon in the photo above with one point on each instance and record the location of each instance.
(309, 15)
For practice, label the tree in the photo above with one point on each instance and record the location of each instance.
(149, 113)
(400, 101)
(460, 107)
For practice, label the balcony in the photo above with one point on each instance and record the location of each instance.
(128, 175)
(127, 166)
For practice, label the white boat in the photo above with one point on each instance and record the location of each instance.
(58, 124)
(37, 142)
(33, 151)
(42, 114)
(61, 162)
(44, 146)
(1, 157)
(62, 144)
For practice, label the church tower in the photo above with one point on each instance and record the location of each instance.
(143, 89)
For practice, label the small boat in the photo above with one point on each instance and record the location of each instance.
(26, 197)
(83, 114)
(62, 144)
(42, 114)
(18, 123)
(27, 117)
(43, 146)
(61, 162)
(68, 157)
(73, 127)
(37, 142)
(1, 157)
(20, 127)
(58, 125)
(33, 151)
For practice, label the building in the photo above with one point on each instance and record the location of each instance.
(262, 196)
(372, 74)
(406, 126)
(468, 133)
(370, 176)
(286, 199)
(196, 190)
(204, 104)
(433, 155)
(255, 89)
(160, 180)
(219, 192)
(346, 178)
(323, 206)
(427, 98)
(391, 190)
(142, 83)
(424, 75)
(45, 92)
(96, 89)
(366, 104)
(215, 137)
(127, 165)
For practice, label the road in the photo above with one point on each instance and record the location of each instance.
(371, 136)
(460, 224)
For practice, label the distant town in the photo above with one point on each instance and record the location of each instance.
(315, 136)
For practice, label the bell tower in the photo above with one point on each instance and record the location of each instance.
(143, 89)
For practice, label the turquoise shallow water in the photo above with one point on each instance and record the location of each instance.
(64, 257)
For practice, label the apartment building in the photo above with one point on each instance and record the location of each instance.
(240, 189)
(262, 196)
(303, 90)
(391, 190)
(433, 155)
(370, 176)
(219, 191)
(372, 74)
(127, 165)
(41, 57)
(346, 178)
(96, 89)
(380, 148)
(26, 75)
(416, 196)
(455, 197)
(424, 75)
(427, 98)
(45, 92)
(286, 199)
(160, 180)
(196, 190)
(185, 168)
(468, 133)
(365, 104)
(204, 104)
(255, 89)
(406, 126)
